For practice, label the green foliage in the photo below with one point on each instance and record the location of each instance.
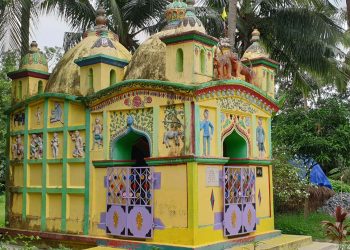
(297, 224)
(338, 186)
(337, 231)
(321, 132)
(290, 192)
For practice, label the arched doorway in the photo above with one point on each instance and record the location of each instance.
(133, 146)
(235, 146)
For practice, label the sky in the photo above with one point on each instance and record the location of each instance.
(50, 29)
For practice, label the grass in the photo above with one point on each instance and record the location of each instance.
(2, 210)
(299, 225)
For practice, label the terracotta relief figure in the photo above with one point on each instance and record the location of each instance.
(17, 148)
(97, 132)
(78, 151)
(54, 145)
(36, 147)
(56, 114)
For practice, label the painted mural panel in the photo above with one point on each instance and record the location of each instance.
(36, 116)
(172, 130)
(56, 114)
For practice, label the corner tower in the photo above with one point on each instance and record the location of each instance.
(32, 76)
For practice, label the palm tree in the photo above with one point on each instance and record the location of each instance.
(304, 36)
(127, 18)
(15, 23)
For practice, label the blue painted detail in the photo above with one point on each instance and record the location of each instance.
(105, 181)
(101, 59)
(158, 224)
(130, 120)
(157, 181)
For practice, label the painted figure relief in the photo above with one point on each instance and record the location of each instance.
(17, 148)
(208, 131)
(260, 139)
(78, 151)
(36, 147)
(97, 133)
(56, 114)
(174, 129)
(19, 119)
(38, 114)
(54, 146)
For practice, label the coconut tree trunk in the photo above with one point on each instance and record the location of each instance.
(348, 12)
(25, 26)
(232, 22)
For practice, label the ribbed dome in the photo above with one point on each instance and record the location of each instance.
(65, 78)
(34, 59)
(256, 49)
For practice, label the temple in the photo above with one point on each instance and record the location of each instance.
(167, 147)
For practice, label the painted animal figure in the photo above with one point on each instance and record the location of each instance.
(223, 65)
(172, 135)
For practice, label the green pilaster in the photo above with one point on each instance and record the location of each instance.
(188, 118)
(44, 166)
(218, 131)
(269, 137)
(25, 165)
(254, 153)
(87, 172)
(64, 168)
(197, 129)
(7, 168)
(105, 134)
(156, 111)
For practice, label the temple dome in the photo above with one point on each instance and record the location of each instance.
(255, 50)
(34, 59)
(65, 78)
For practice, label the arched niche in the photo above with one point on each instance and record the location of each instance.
(133, 145)
(235, 145)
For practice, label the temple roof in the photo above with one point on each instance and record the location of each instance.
(34, 59)
(65, 78)
(256, 50)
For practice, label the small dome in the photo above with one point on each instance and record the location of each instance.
(256, 49)
(34, 59)
(65, 78)
(181, 18)
(152, 50)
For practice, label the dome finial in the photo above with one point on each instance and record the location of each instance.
(33, 46)
(101, 19)
(255, 36)
(190, 3)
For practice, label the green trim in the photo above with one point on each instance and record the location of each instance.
(35, 161)
(269, 137)
(185, 159)
(76, 160)
(51, 190)
(101, 55)
(25, 165)
(188, 122)
(197, 129)
(112, 163)
(156, 112)
(35, 131)
(77, 191)
(42, 96)
(105, 134)
(87, 173)
(54, 161)
(190, 36)
(70, 128)
(36, 190)
(19, 132)
(249, 162)
(44, 166)
(64, 168)
(262, 61)
(7, 170)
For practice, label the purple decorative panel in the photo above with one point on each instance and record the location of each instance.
(130, 202)
(239, 200)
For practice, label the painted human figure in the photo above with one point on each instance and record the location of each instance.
(79, 145)
(97, 132)
(260, 139)
(38, 115)
(40, 147)
(54, 145)
(17, 148)
(208, 131)
(56, 114)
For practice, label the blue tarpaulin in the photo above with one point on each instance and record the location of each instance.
(309, 165)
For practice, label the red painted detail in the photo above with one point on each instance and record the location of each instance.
(242, 88)
(21, 74)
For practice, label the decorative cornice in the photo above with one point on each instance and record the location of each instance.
(112, 163)
(261, 61)
(258, 162)
(101, 58)
(157, 161)
(28, 72)
(42, 96)
(190, 36)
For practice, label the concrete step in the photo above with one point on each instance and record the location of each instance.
(320, 246)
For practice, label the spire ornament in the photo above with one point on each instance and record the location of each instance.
(101, 19)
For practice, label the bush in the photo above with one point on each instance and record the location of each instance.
(338, 186)
(290, 190)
